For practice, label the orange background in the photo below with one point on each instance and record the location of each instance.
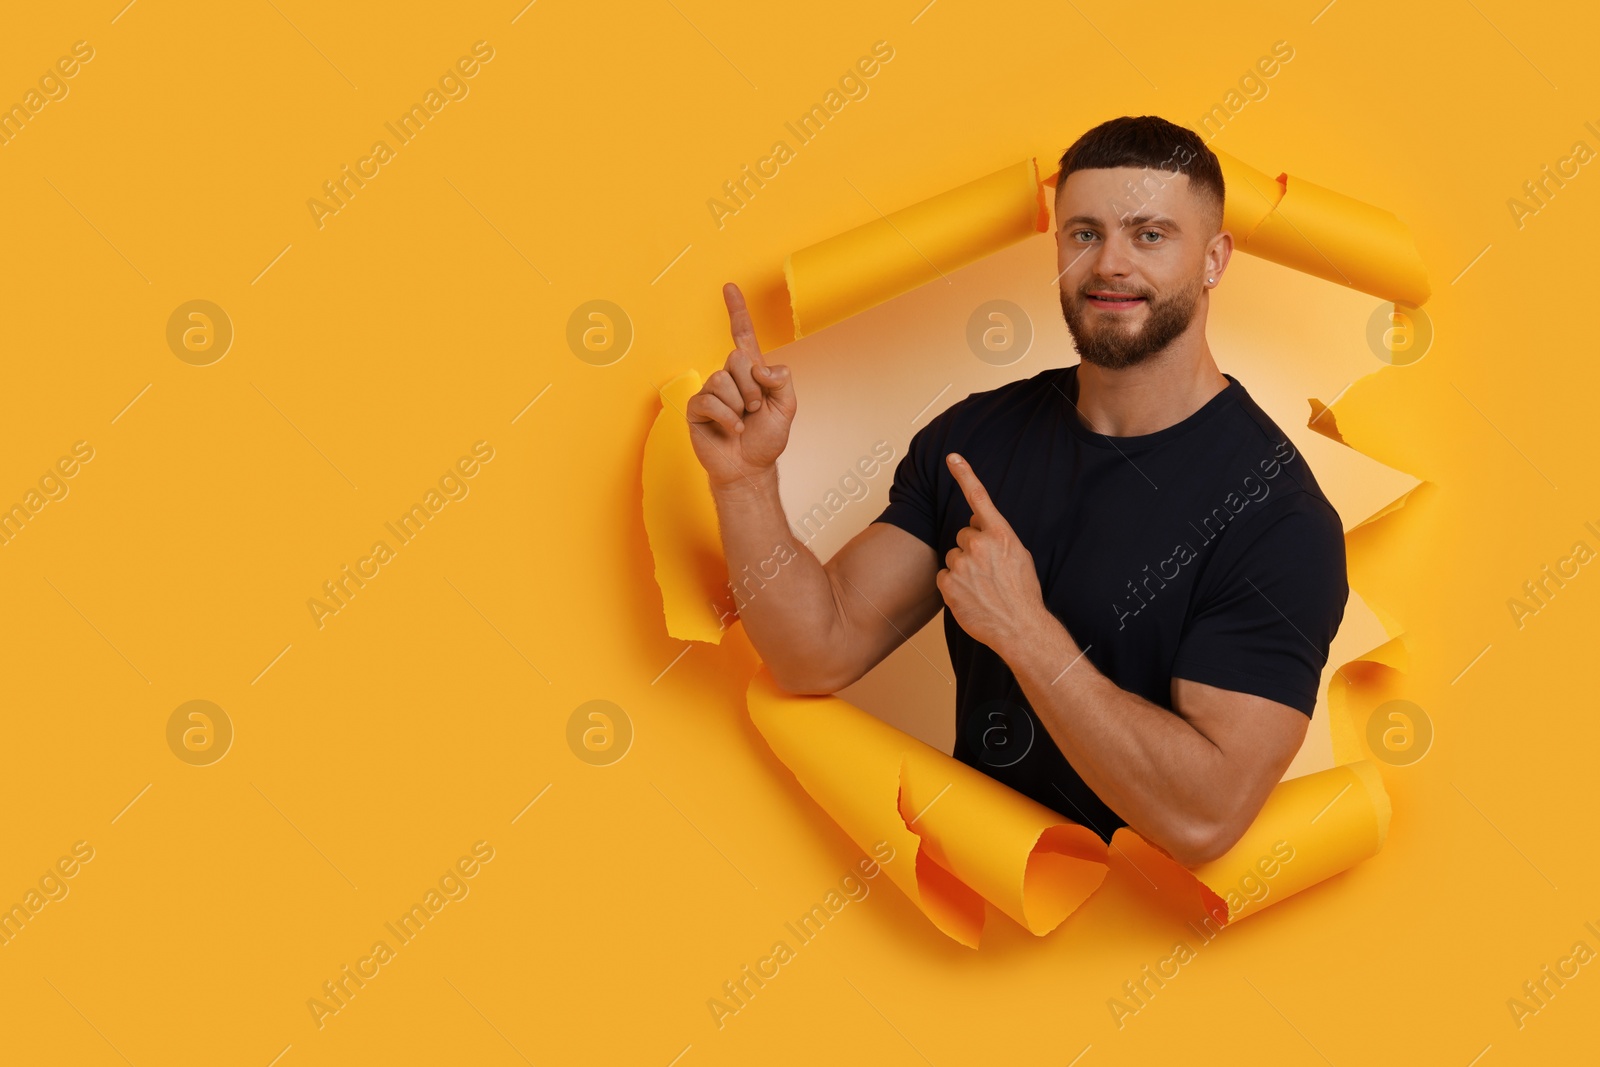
(369, 354)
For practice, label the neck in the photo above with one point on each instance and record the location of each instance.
(1160, 392)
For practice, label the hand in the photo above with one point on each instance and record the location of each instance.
(739, 421)
(989, 582)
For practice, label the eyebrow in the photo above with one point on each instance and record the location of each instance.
(1130, 220)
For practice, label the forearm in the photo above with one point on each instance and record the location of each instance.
(784, 596)
(1161, 775)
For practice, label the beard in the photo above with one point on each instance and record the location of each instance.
(1115, 345)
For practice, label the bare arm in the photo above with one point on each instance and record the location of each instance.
(818, 626)
(1190, 782)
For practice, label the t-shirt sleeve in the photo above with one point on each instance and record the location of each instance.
(1267, 609)
(914, 493)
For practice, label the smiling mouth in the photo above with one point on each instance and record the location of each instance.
(1114, 301)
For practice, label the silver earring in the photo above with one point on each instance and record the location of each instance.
(1213, 281)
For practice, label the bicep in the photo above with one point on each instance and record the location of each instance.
(885, 591)
(1256, 740)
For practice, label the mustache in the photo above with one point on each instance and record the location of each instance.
(1084, 293)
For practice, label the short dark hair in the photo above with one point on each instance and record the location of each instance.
(1148, 141)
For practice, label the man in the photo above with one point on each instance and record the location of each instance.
(1140, 575)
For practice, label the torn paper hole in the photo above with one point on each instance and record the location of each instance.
(680, 521)
(978, 840)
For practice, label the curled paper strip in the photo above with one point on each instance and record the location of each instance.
(1288, 220)
(1309, 829)
(680, 520)
(861, 268)
(1360, 685)
(976, 839)
(1323, 233)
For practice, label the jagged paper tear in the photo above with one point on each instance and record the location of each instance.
(1361, 683)
(680, 521)
(1287, 220)
(861, 268)
(1310, 829)
(1323, 233)
(976, 839)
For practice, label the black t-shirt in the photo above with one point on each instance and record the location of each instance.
(1205, 550)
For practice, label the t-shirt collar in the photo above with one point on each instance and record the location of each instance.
(1068, 384)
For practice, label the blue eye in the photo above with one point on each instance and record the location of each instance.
(1151, 233)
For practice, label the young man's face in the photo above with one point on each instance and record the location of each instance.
(1145, 242)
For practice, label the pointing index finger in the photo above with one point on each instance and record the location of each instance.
(743, 330)
(984, 513)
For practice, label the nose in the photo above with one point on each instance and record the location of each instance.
(1112, 259)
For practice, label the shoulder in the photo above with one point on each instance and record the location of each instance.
(1295, 511)
(1297, 529)
(1259, 442)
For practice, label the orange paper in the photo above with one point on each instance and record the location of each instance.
(978, 840)
(863, 267)
(680, 521)
(1327, 234)
(974, 838)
